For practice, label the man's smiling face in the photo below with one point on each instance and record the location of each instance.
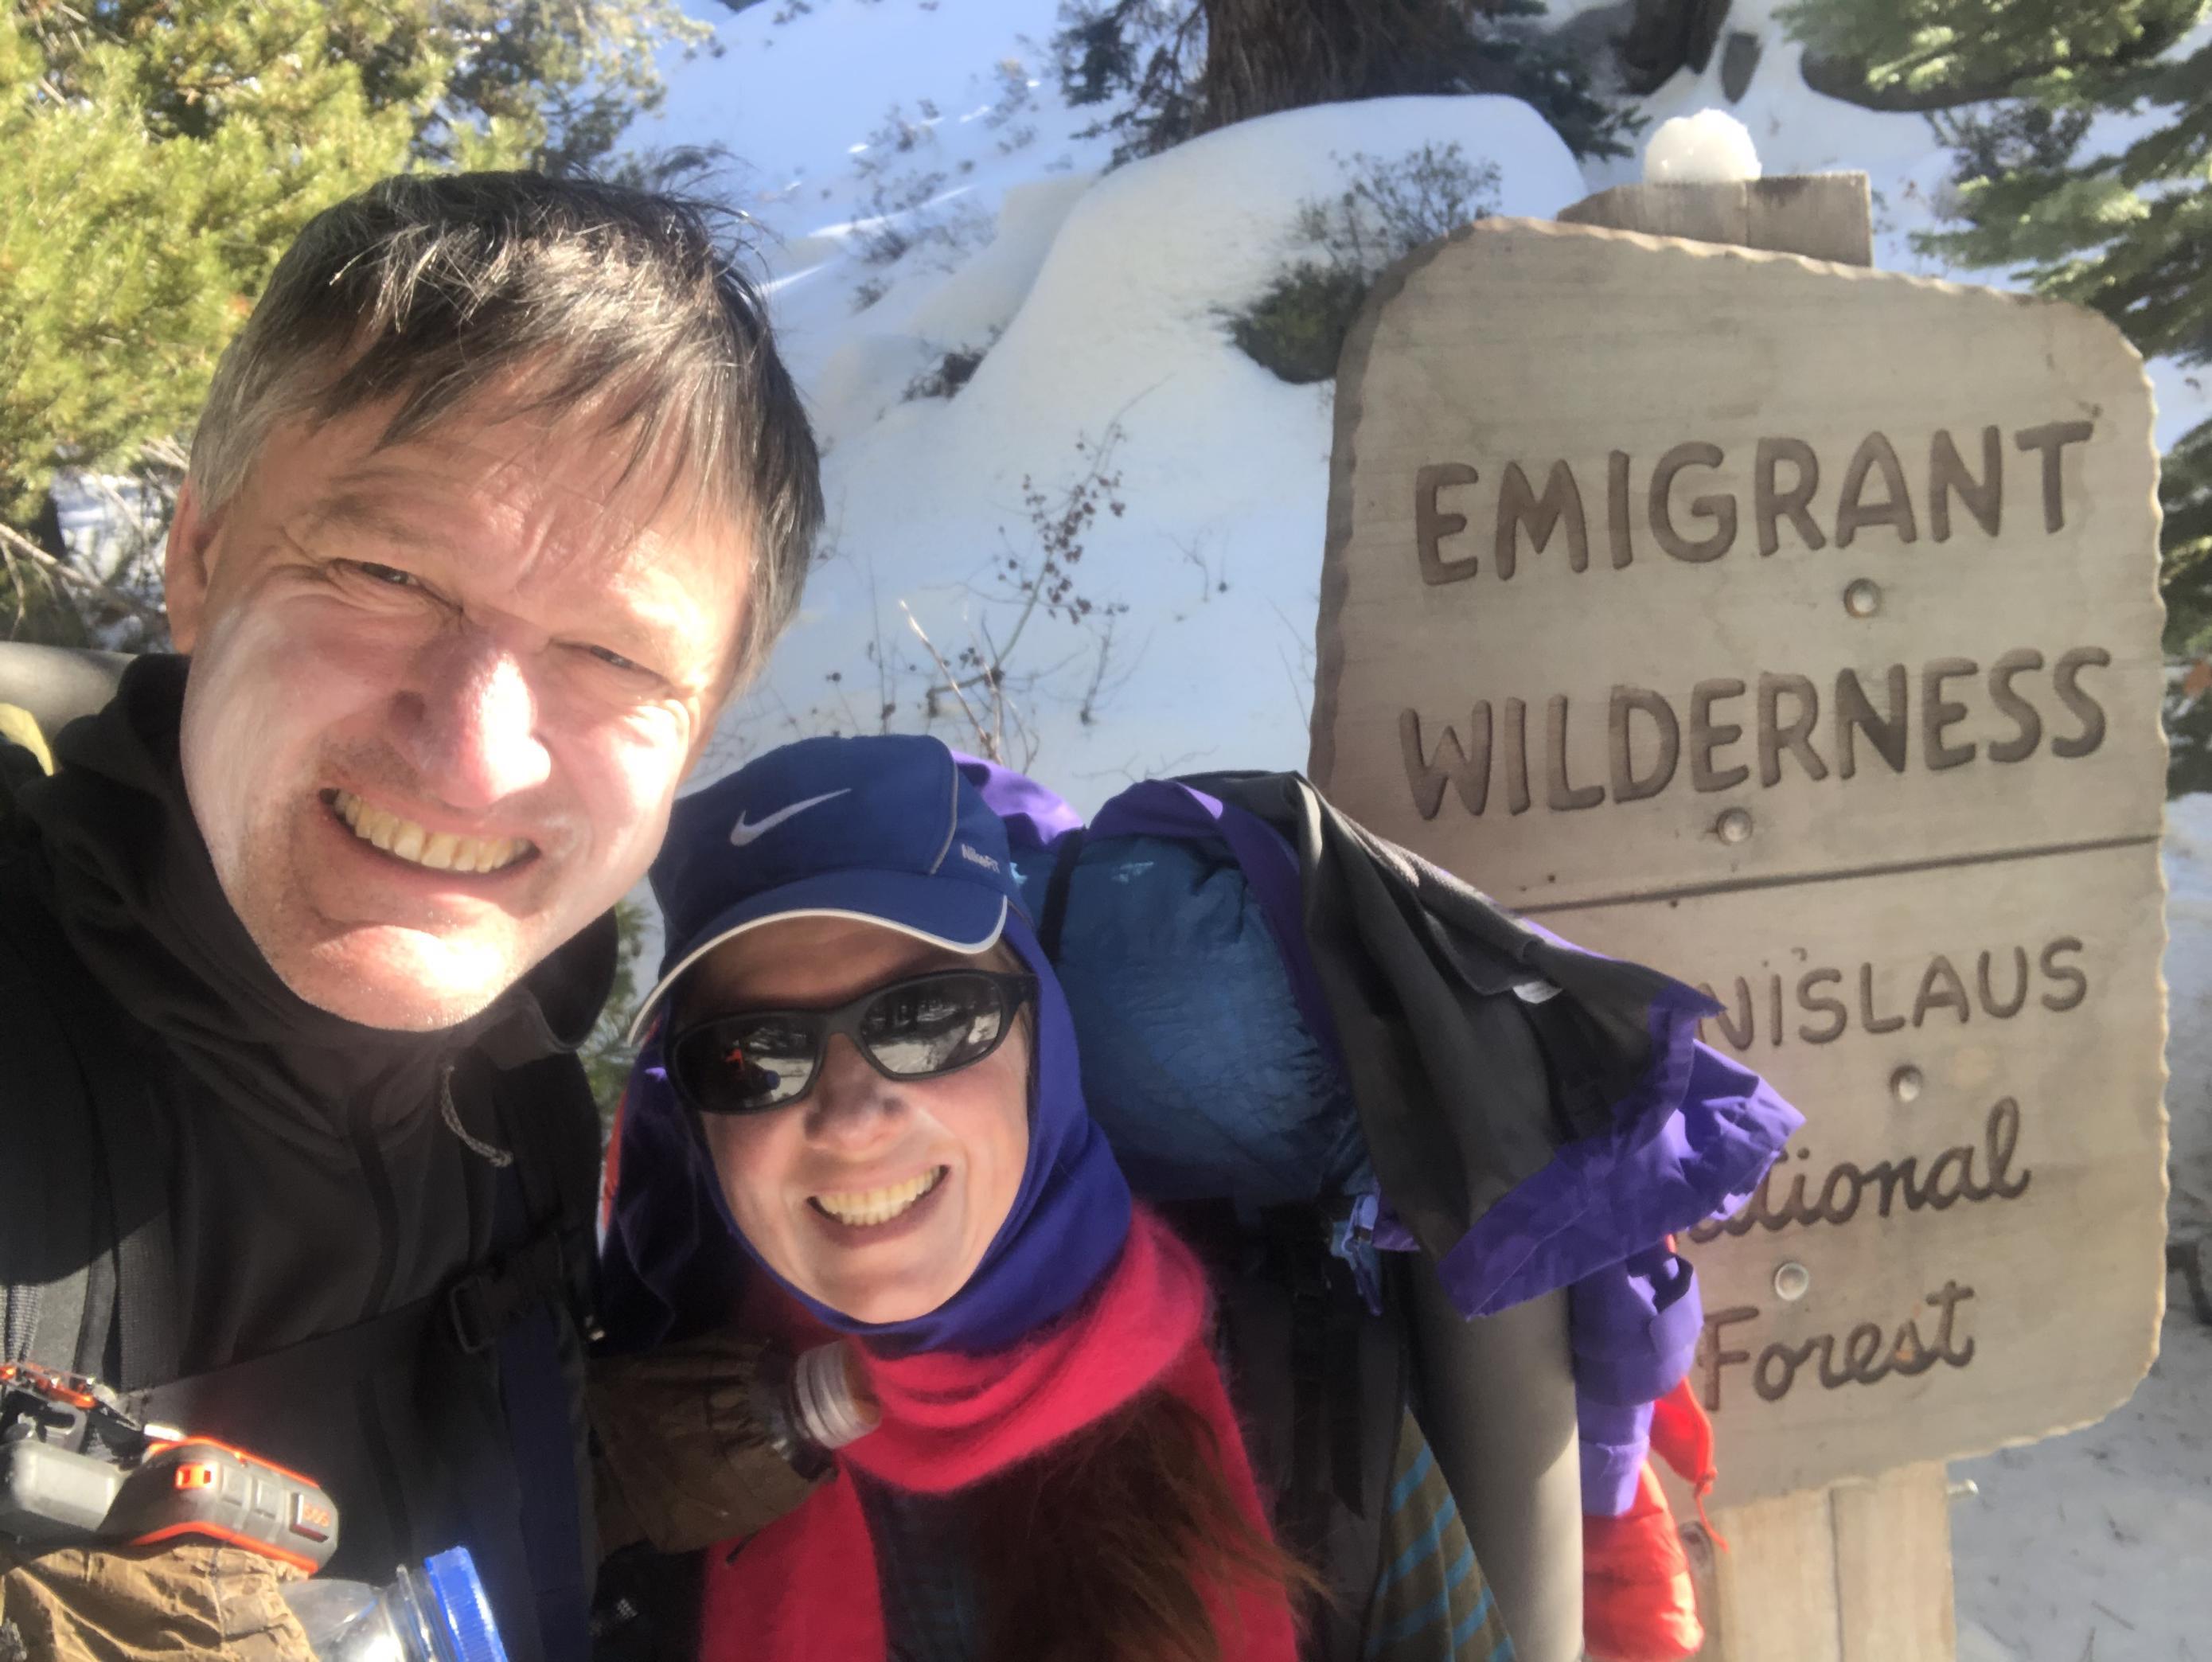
(441, 695)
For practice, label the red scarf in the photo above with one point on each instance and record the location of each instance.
(804, 1588)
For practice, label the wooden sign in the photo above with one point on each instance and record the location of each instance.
(1795, 629)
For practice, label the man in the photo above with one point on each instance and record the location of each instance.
(500, 493)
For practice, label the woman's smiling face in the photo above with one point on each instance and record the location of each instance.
(877, 1196)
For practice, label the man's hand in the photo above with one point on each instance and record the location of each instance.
(141, 1603)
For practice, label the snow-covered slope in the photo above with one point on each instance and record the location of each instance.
(2090, 1548)
(1117, 353)
(2189, 1012)
(1103, 302)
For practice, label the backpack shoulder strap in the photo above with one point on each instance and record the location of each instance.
(1320, 1385)
(85, 1253)
(548, 1119)
(51, 1182)
(54, 685)
(24, 756)
(552, 1125)
(20, 728)
(1052, 916)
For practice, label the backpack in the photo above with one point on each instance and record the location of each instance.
(1223, 934)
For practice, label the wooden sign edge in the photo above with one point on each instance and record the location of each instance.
(1352, 374)
(1729, 1498)
(2155, 1224)
(2151, 1226)
(2154, 1344)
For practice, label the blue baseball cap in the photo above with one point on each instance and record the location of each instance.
(885, 829)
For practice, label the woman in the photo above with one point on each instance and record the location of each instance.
(881, 1066)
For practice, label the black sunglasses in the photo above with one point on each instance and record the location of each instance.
(745, 1062)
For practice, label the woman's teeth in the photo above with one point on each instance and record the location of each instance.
(863, 1206)
(441, 850)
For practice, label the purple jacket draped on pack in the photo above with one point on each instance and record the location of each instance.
(1690, 1140)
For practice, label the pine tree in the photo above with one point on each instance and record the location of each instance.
(1187, 67)
(1938, 54)
(2127, 231)
(156, 156)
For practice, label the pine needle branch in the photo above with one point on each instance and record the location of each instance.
(20, 546)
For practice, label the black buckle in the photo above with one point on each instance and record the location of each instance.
(468, 1304)
(485, 1303)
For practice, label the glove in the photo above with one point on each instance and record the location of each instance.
(148, 1605)
(682, 1458)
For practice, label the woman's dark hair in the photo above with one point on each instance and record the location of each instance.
(1103, 1547)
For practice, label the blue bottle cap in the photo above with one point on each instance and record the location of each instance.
(464, 1608)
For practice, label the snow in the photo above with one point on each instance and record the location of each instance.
(1709, 148)
(2091, 1546)
(1102, 298)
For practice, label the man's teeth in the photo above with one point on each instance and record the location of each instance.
(869, 1206)
(441, 850)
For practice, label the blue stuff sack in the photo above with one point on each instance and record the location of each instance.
(1197, 1061)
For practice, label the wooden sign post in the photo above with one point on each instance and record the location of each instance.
(1793, 627)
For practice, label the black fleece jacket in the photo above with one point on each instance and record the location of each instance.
(315, 1178)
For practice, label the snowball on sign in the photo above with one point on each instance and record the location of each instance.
(1795, 629)
(1709, 148)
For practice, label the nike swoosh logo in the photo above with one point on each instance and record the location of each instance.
(742, 833)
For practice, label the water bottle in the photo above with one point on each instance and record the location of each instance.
(831, 1410)
(811, 1404)
(438, 1613)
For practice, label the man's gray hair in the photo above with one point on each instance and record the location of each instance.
(428, 288)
